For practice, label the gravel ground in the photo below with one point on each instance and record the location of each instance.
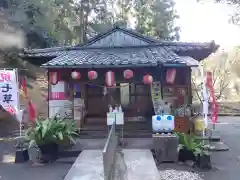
(225, 164)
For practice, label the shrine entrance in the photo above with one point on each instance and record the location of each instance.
(135, 100)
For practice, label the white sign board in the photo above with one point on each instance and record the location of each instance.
(9, 89)
(119, 118)
(110, 118)
(59, 107)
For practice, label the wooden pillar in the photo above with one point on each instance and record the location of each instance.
(48, 95)
(189, 76)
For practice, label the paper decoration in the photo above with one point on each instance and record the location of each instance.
(57, 91)
(214, 106)
(76, 75)
(110, 79)
(205, 98)
(11, 110)
(54, 77)
(147, 79)
(92, 75)
(170, 76)
(127, 74)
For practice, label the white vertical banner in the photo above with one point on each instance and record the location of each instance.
(205, 98)
(9, 96)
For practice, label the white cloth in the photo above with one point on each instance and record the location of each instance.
(205, 98)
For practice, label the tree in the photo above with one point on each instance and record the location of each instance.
(48, 23)
(157, 19)
(225, 68)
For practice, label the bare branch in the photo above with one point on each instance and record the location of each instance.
(195, 87)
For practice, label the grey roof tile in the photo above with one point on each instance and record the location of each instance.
(116, 57)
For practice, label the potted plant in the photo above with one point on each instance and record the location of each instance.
(48, 133)
(203, 159)
(188, 147)
(21, 154)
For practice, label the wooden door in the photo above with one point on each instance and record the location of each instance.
(136, 100)
(97, 104)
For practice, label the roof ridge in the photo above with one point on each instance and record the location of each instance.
(125, 30)
(67, 48)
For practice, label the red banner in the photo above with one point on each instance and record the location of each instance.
(214, 106)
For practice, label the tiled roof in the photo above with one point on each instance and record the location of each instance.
(173, 46)
(109, 57)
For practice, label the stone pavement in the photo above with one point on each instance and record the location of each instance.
(27, 171)
(225, 164)
(88, 166)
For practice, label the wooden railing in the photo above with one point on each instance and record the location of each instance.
(109, 153)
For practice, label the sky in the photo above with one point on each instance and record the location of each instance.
(205, 22)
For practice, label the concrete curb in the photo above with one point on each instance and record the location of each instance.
(228, 114)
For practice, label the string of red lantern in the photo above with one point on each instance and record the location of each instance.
(110, 77)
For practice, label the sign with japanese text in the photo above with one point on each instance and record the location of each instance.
(9, 89)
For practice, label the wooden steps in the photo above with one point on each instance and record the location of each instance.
(130, 130)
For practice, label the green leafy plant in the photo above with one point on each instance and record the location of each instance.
(191, 143)
(51, 131)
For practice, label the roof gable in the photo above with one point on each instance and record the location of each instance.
(119, 37)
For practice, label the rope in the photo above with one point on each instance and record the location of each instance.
(112, 87)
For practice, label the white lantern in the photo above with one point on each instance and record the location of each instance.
(76, 75)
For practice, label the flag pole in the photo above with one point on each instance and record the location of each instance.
(18, 104)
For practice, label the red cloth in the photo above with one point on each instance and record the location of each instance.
(24, 86)
(11, 110)
(214, 105)
(32, 112)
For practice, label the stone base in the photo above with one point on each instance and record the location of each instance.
(165, 147)
(218, 146)
(214, 135)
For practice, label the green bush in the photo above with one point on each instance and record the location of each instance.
(48, 130)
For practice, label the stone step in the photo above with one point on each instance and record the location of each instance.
(72, 152)
(126, 134)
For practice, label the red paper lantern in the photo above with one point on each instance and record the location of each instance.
(54, 77)
(92, 75)
(147, 79)
(170, 76)
(76, 75)
(110, 79)
(127, 74)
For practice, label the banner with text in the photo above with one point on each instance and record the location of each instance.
(9, 89)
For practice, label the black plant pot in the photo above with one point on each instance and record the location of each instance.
(186, 155)
(204, 161)
(21, 155)
(49, 152)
